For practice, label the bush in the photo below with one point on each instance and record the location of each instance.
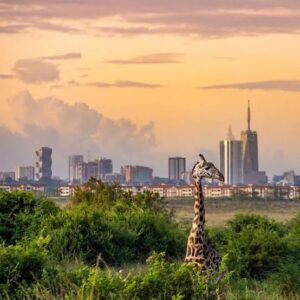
(292, 238)
(95, 192)
(255, 245)
(21, 214)
(20, 267)
(87, 231)
(161, 280)
(287, 279)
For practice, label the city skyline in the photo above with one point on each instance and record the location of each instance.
(165, 173)
(139, 83)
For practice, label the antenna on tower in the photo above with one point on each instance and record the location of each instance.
(230, 134)
(249, 115)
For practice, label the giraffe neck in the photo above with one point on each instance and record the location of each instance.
(199, 210)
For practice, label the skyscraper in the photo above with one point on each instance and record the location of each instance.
(250, 148)
(87, 170)
(43, 163)
(74, 161)
(231, 159)
(105, 167)
(176, 167)
(251, 174)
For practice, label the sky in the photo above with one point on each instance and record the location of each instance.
(139, 81)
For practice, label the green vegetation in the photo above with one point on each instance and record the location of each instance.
(83, 250)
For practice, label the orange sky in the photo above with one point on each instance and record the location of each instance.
(143, 65)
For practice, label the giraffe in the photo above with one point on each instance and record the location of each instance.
(199, 252)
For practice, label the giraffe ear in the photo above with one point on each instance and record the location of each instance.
(202, 160)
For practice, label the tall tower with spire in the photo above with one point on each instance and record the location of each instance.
(249, 150)
(249, 115)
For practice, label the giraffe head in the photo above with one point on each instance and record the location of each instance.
(204, 169)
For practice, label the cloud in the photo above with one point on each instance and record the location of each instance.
(6, 76)
(66, 56)
(12, 29)
(155, 58)
(116, 84)
(201, 18)
(35, 71)
(30, 25)
(70, 129)
(123, 84)
(281, 85)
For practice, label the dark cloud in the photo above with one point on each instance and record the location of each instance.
(201, 18)
(35, 71)
(70, 129)
(12, 29)
(154, 58)
(30, 25)
(6, 76)
(91, 9)
(123, 84)
(65, 56)
(281, 85)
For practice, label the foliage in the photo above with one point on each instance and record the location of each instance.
(162, 280)
(254, 244)
(118, 235)
(106, 196)
(50, 253)
(21, 214)
(20, 266)
(119, 226)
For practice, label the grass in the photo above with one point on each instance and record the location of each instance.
(218, 212)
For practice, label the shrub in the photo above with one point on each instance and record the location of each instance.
(86, 231)
(287, 279)
(292, 238)
(20, 267)
(21, 214)
(162, 280)
(97, 193)
(255, 245)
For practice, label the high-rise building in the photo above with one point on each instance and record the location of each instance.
(249, 149)
(105, 167)
(176, 167)
(87, 170)
(74, 161)
(137, 174)
(25, 172)
(43, 163)
(98, 169)
(231, 159)
(251, 173)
